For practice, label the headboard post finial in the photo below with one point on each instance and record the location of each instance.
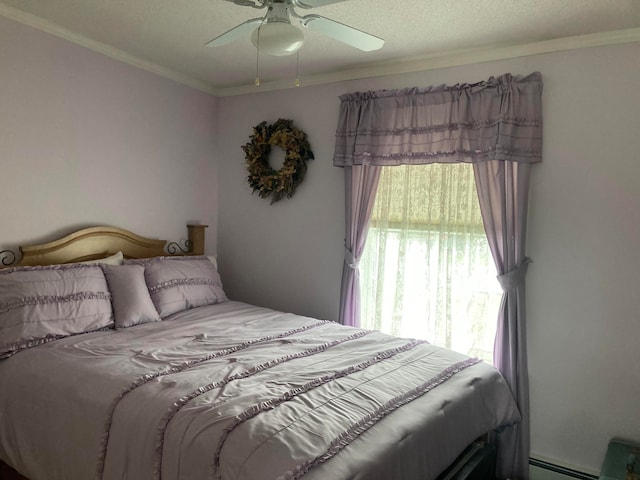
(196, 238)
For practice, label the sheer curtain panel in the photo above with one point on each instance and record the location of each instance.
(497, 126)
(427, 270)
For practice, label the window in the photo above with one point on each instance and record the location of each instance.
(427, 271)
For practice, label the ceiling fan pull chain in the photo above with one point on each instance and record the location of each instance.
(257, 82)
(264, 19)
(297, 82)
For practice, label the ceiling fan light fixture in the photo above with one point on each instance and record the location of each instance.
(277, 38)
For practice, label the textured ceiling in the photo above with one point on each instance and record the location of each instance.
(169, 36)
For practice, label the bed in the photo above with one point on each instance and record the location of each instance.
(140, 367)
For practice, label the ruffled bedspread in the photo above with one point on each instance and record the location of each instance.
(233, 391)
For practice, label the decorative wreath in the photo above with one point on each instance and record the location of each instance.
(262, 177)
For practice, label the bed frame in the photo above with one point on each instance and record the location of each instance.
(100, 242)
(477, 462)
(8, 473)
(94, 243)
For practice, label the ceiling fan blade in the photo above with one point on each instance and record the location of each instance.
(243, 3)
(314, 3)
(343, 33)
(235, 33)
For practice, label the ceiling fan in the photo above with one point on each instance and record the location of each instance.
(274, 34)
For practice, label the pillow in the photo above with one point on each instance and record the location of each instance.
(40, 304)
(115, 259)
(180, 283)
(130, 298)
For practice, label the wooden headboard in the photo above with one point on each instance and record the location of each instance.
(99, 242)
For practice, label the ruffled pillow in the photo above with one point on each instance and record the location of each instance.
(179, 283)
(40, 304)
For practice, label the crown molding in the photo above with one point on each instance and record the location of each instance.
(447, 59)
(378, 69)
(112, 52)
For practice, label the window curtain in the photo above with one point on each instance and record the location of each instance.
(497, 126)
(503, 192)
(361, 183)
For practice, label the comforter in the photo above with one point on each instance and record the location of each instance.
(234, 391)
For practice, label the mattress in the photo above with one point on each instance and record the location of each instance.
(235, 391)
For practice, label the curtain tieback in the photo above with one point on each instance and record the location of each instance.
(515, 277)
(350, 259)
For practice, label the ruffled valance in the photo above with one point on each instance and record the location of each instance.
(499, 119)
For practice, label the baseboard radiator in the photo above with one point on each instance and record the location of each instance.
(567, 472)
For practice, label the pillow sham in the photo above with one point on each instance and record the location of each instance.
(115, 259)
(180, 283)
(214, 260)
(130, 298)
(40, 304)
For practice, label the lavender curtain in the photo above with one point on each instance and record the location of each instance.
(503, 192)
(497, 126)
(361, 183)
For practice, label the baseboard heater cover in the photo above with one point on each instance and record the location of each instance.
(568, 472)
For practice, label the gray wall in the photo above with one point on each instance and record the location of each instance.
(584, 226)
(86, 140)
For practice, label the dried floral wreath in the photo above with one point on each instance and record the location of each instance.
(262, 177)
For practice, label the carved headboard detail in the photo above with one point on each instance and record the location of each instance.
(99, 242)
